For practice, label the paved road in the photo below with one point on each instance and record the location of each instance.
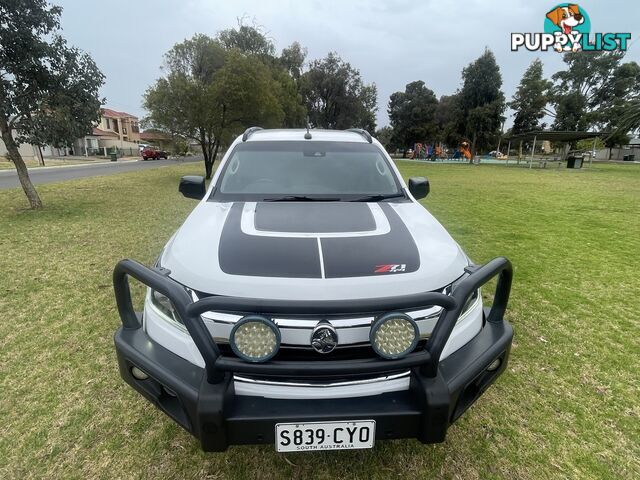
(9, 178)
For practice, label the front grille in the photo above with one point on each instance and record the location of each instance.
(357, 352)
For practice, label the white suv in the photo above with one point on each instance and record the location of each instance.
(310, 301)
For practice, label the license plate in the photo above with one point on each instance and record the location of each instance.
(348, 435)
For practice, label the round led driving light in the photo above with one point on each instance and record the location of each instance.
(138, 374)
(255, 339)
(394, 335)
(493, 366)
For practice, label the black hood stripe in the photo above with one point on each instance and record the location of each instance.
(321, 217)
(362, 256)
(261, 256)
(391, 253)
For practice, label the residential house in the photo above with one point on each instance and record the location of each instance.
(123, 124)
(114, 130)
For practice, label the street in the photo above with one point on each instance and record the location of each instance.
(39, 175)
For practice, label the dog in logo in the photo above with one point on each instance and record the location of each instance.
(566, 19)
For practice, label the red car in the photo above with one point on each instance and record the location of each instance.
(153, 153)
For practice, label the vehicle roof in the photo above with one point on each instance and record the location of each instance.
(298, 134)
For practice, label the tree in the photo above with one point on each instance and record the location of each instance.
(48, 90)
(249, 40)
(530, 99)
(198, 58)
(368, 106)
(630, 121)
(481, 102)
(571, 112)
(292, 59)
(446, 116)
(211, 93)
(287, 71)
(288, 93)
(595, 92)
(412, 115)
(252, 41)
(592, 83)
(185, 102)
(250, 94)
(336, 96)
(384, 136)
(616, 103)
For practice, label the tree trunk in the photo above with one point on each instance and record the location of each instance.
(23, 174)
(519, 152)
(473, 149)
(208, 163)
(40, 156)
(216, 146)
(206, 152)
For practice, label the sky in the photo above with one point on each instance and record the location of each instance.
(390, 42)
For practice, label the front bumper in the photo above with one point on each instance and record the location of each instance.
(203, 400)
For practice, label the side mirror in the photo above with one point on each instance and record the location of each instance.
(419, 187)
(192, 186)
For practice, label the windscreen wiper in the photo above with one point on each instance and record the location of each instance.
(379, 197)
(300, 198)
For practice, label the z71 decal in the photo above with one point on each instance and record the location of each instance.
(391, 268)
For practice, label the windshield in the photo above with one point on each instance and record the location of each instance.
(305, 170)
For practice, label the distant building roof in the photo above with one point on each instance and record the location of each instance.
(102, 133)
(154, 135)
(107, 112)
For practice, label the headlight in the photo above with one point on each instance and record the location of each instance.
(394, 335)
(255, 339)
(164, 305)
(471, 301)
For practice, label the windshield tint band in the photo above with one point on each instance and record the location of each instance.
(256, 171)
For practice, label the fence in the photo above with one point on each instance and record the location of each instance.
(106, 151)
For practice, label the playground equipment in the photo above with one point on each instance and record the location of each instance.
(425, 151)
(465, 151)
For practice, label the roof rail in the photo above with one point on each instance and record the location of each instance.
(366, 135)
(248, 132)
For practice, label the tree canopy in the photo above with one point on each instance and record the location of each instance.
(446, 116)
(214, 89)
(481, 102)
(49, 91)
(248, 39)
(292, 59)
(412, 114)
(530, 99)
(336, 97)
(594, 91)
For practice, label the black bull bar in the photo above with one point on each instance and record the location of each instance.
(426, 359)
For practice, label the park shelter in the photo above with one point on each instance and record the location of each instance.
(567, 137)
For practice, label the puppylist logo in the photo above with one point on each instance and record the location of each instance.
(567, 28)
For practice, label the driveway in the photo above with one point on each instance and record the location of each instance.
(39, 175)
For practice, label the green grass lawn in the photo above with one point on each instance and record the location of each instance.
(568, 406)
(5, 164)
